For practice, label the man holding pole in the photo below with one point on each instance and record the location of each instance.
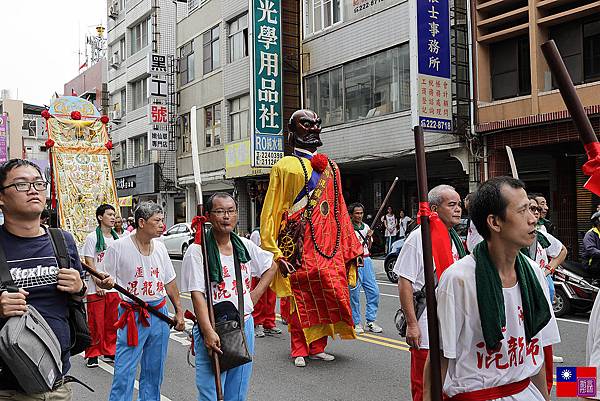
(221, 244)
(141, 264)
(305, 225)
(102, 306)
(445, 201)
(493, 306)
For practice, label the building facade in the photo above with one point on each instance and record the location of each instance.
(137, 30)
(214, 51)
(91, 85)
(519, 105)
(356, 73)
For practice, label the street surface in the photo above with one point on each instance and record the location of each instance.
(375, 367)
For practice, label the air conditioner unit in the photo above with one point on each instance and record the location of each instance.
(115, 115)
(113, 10)
(115, 60)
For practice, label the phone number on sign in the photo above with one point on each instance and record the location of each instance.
(440, 125)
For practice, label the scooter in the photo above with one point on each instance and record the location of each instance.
(576, 288)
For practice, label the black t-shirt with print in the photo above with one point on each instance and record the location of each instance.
(34, 267)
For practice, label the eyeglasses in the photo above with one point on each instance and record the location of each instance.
(221, 212)
(535, 209)
(26, 186)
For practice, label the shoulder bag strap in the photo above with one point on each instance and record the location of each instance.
(5, 276)
(238, 285)
(59, 245)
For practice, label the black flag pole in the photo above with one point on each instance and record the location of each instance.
(432, 320)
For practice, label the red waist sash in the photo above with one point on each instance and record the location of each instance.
(492, 393)
(128, 318)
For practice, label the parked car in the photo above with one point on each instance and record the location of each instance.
(178, 238)
(390, 259)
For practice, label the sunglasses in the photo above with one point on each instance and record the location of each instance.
(535, 209)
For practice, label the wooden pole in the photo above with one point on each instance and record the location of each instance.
(134, 298)
(568, 93)
(376, 221)
(200, 213)
(432, 320)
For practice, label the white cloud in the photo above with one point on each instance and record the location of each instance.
(40, 42)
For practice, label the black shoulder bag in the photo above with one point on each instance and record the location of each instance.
(80, 332)
(234, 343)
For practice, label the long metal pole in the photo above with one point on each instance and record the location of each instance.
(432, 320)
(200, 213)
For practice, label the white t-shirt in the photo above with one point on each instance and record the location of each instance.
(143, 276)
(592, 349)
(192, 274)
(470, 366)
(391, 224)
(473, 237)
(541, 255)
(403, 225)
(89, 250)
(255, 237)
(409, 265)
(363, 232)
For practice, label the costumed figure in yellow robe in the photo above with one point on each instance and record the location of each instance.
(305, 224)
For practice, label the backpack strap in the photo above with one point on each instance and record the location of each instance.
(5, 276)
(60, 247)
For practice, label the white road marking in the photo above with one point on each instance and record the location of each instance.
(572, 321)
(109, 369)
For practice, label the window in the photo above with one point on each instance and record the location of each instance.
(321, 14)
(369, 87)
(185, 144)
(238, 38)
(139, 93)
(124, 154)
(122, 49)
(123, 101)
(210, 50)
(239, 118)
(212, 125)
(579, 46)
(141, 154)
(186, 63)
(510, 68)
(591, 50)
(139, 36)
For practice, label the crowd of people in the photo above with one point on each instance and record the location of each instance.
(494, 291)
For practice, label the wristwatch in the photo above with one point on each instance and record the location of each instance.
(82, 291)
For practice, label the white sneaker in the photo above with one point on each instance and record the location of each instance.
(374, 327)
(322, 356)
(299, 362)
(557, 359)
(259, 331)
(359, 329)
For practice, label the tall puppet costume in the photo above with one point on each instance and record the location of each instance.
(305, 224)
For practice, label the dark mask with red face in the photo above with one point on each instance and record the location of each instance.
(305, 130)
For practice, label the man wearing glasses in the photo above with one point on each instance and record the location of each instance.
(223, 247)
(27, 246)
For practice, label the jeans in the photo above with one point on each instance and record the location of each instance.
(388, 243)
(366, 280)
(151, 351)
(550, 287)
(234, 381)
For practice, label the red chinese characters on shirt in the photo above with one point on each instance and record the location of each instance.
(154, 272)
(139, 272)
(160, 287)
(132, 287)
(147, 289)
(220, 292)
(495, 359)
(100, 257)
